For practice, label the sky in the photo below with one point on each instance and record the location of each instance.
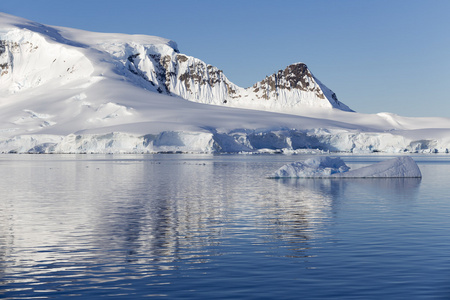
(376, 55)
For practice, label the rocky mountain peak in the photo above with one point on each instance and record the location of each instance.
(294, 77)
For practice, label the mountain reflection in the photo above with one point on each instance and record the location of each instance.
(166, 216)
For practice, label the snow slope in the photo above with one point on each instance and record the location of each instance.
(69, 91)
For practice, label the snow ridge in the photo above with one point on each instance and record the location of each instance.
(170, 72)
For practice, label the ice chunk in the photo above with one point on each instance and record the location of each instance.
(327, 167)
(322, 166)
(399, 167)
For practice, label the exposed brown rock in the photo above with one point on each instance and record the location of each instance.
(181, 58)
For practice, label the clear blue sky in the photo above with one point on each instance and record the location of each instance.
(376, 55)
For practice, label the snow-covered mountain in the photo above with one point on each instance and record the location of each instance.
(28, 59)
(68, 90)
(192, 79)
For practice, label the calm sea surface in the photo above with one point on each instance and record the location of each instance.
(214, 227)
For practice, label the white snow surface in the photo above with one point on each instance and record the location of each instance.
(328, 167)
(65, 90)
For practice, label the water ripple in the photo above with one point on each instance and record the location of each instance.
(213, 227)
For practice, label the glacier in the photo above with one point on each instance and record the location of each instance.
(65, 90)
(335, 167)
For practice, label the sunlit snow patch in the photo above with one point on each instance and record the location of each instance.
(108, 111)
(33, 118)
(327, 167)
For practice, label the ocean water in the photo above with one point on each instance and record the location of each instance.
(190, 226)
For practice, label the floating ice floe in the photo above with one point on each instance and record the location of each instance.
(322, 166)
(328, 167)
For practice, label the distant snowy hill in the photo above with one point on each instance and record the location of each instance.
(69, 91)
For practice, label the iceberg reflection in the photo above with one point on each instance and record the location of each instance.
(402, 187)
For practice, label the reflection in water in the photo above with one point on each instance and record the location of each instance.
(406, 187)
(305, 206)
(70, 225)
(104, 220)
(298, 214)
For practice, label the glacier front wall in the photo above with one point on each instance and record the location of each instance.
(245, 141)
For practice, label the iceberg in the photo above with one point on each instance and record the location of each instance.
(322, 166)
(399, 167)
(328, 167)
